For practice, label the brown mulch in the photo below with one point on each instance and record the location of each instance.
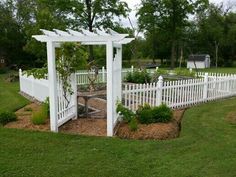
(86, 126)
(231, 117)
(98, 127)
(160, 131)
(24, 119)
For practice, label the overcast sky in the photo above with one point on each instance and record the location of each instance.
(133, 4)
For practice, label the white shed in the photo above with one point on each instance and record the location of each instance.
(199, 61)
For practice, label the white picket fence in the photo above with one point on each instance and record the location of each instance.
(38, 89)
(35, 88)
(181, 93)
(82, 76)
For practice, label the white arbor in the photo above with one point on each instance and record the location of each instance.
(112, 40)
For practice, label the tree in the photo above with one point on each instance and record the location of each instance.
(216, 33)
(91, 14)
(168, 16)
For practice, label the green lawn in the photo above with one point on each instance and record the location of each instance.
(219, 70)
(206, 148)
(10, 100)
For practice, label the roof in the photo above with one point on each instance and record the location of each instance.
(200, 57)
(84, 36)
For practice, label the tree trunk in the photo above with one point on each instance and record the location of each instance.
(216, 53)
(173, 55)
(90, 26)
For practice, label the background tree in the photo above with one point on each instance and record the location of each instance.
(91, 14)
(169, 17)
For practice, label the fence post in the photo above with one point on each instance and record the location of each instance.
(103, 74)
(205, 89)
(20, 75)
(159, 90)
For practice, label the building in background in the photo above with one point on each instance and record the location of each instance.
(199, 61)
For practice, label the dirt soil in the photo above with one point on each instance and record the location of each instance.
(160, 131)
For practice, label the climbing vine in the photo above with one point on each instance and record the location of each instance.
(69, 58)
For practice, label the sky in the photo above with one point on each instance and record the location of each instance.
(133, 4)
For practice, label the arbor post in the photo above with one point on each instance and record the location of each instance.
(52, 85)
(110, 105)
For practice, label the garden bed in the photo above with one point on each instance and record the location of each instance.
(159, 131)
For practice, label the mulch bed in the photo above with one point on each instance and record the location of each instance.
(160, 131)
(98, 127)
(24, 119)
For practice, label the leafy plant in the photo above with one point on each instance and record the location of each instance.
(141, 111)
(146, 116)
(6, 117)
(162, 113)
(41, 116)
(137, 76)
(133, 125)
(184, 72)
(127, 114)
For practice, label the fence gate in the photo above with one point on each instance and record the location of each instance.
(67, 103)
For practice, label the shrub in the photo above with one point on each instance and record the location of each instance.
(184, 72)
(125, 112)
(133, 125)
(139, 77)
(162, 113)
(6, 117)
(161, 72)
(146, 116)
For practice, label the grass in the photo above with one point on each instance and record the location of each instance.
(230, 70)
(206, 148)
(10, 100)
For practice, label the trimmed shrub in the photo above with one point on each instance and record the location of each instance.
(146, 116)
(140, 113)
(6, 117)
(162, 113)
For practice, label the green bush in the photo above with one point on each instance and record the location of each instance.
(6, 117)
(162, 113)
(146, 116)
(161, 72)
(140, 114)
(41, 116)
(139, 77)
(125, 112)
